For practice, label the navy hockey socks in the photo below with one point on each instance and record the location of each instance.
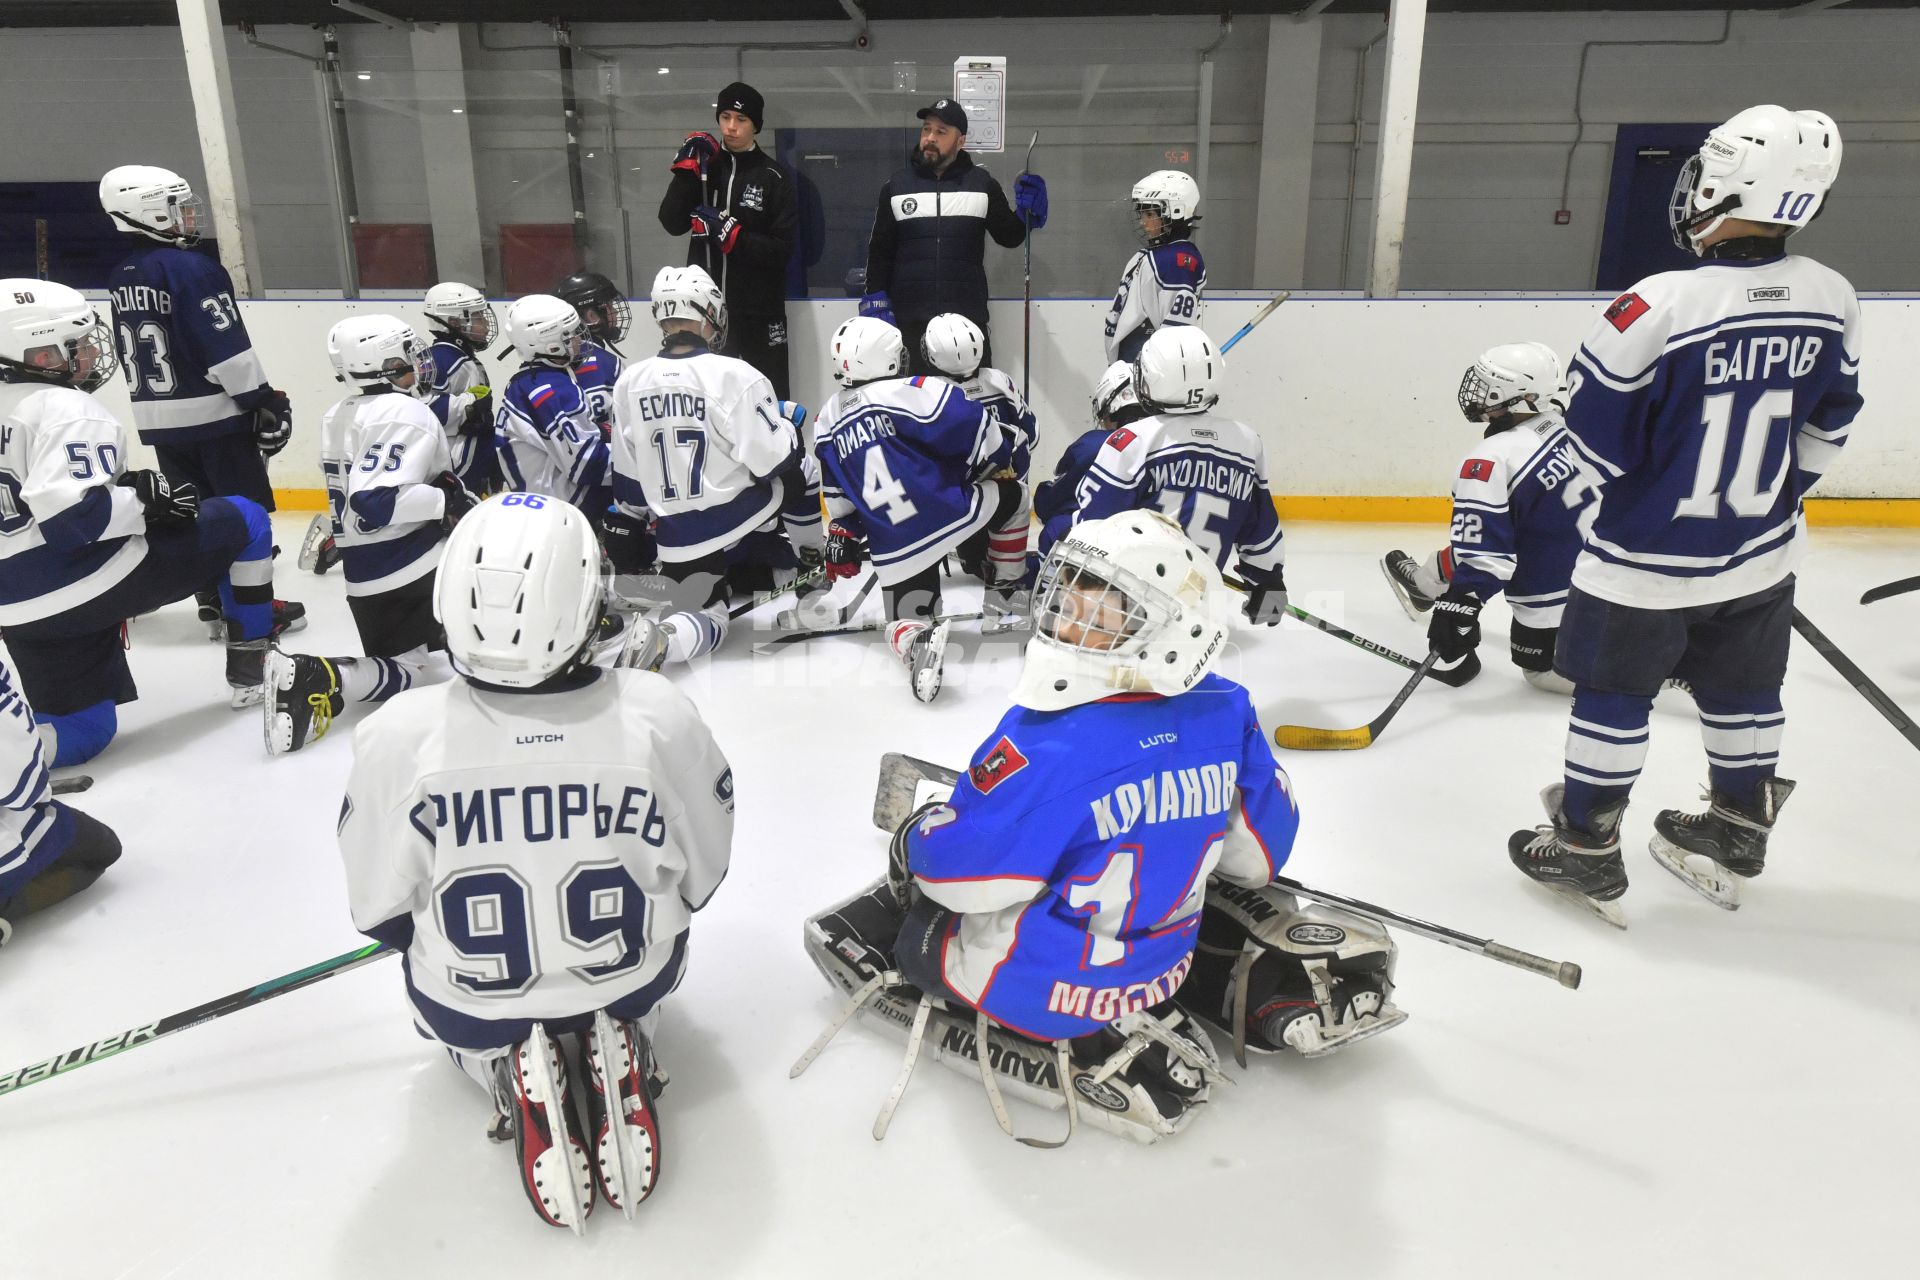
(1742, 733)
(1606, 746)
(81, 735)
(246, 589)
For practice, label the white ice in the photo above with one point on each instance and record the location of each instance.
(1728, 1095)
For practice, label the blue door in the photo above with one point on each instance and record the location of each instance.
(1636, 241)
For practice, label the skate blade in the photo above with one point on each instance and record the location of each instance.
(1699, 873)
(1373, 1026)
(310, 545)
(1400, 594)
(1608, 911)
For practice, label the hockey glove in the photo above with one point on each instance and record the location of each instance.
(879, 306)
(1030, 198)
(459, 501)
(845, 550)
(721, 228)
(696, 153)
(1266, 595)
(1454, 631)
(795, 412)
(273, 423)
(628, 539)
(166, 505)
(479, 418)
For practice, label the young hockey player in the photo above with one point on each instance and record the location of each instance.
(48, 850)
(394, 498)
(534, 839)
(1114, 406)
(1206, 472)
(1163, 280)
(86, 545)
(200, 397)
(1709, 401)
(701, 445)
(546, 435)
(1517, 502)
(1056, 894)
(910, 464)
(606, 316)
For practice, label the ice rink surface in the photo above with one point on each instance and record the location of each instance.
(1728, 1095)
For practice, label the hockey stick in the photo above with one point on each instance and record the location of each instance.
(1026, 305)
(1299, 737)
(1898, 587)
(801, 581)
(134, 1037)
(1258, 316)
(1856, 677)
(1337, 632)
(899, 787)
(71, 786)
(860, 629)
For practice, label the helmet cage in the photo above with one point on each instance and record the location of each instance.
(1114, 612)
(1476, 401)
(1682, 218)
(461, 321)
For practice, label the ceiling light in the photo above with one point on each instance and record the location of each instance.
(459, 111)
(664, 70)
(364, 75)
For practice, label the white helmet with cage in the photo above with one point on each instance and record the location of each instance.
(1124, 604)
(375, 351)
(1171, 196)
(153, 202)
(520, 591)
(1767, 164)
(865, 349)
(954, 345)
(1113, 392)
(689, 293)
(463, 311)
(51, 333)
(1178, 371)
(1517, 377)
(545, 328)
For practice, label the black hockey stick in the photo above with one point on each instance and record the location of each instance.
(71, 786)
(859, 629)
(1026, 305)
(899, 788)
(1897, 587)
(1856, 677)
(1334, 630)
(1299, 737)
(134, 1037)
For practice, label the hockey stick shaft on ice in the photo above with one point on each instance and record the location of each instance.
(1854, 676)
(859, 629)
(1337, 632)
(1299, 737)
(1258, 316)
(1898, 587)
(134, 1037)
(899, 793)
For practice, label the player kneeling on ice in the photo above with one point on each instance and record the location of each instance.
(909, 469)
(1056, 500)
(1046, 914)
(394, 497)
(1517, 503)
(703, 448)
(534, 838)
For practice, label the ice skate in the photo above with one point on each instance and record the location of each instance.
(246, 672)
(1006, 607)
(302, 697)
(1584, 867)
(211, 616)
(1707, 850)
(317, 550)
(288, 615)
(926, 659)
(1400, 569)
(626, 1135)
(553, 1157)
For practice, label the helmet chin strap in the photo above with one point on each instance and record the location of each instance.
(1738, 247)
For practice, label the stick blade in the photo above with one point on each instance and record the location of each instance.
(1299, 737)
(897, 793)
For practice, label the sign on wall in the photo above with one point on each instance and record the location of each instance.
(980, 87)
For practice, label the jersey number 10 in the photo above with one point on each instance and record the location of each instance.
(1742, 495)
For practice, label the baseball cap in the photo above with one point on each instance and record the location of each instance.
(947, 111)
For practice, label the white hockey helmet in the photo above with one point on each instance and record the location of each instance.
(152, 201)
(1178, 371)
(867, 348)
(50, 333)
(689, 293)
(462, 310)
(954, 345)
(520, 590)
(1113, 392)
(1172, 196)
(543, 327)
(1518, 377)
(1124, 604)
(1767, 164)
(373, 351)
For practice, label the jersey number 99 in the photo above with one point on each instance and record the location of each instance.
(486, 916)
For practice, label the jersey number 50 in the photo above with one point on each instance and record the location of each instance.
(486, 916)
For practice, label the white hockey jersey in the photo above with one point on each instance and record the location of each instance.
(67, 532)
(380, 454)
(1160, 286)
(1519, 499)
(696, 440)
(26, 814)
(993, 388)
(535, 855)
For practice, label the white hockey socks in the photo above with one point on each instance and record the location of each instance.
(377, 679)
(695, 634)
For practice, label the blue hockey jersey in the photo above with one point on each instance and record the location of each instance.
(190, 366)
(1054, 500)
(1518, 501)
(1709, 401)
(1078, 846)
(913, 459)
(548, 443)
(599, 368)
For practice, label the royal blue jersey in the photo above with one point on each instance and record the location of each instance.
(994, 389)
(1517, 505)
(912, 459)
(598, 369)
(1054, 500)
(1078, 846)
(548, 442)
(1709, 401)
(190, 367)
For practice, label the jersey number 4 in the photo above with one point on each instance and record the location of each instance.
(880, 493)
(486, 916)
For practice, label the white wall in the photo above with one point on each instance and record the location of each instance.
(1351, 397)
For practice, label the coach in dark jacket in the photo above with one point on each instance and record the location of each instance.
(927, 253)
(737, 202)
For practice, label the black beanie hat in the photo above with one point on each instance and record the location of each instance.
(745, 99)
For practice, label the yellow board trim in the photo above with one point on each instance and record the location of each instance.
(1858, 513)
